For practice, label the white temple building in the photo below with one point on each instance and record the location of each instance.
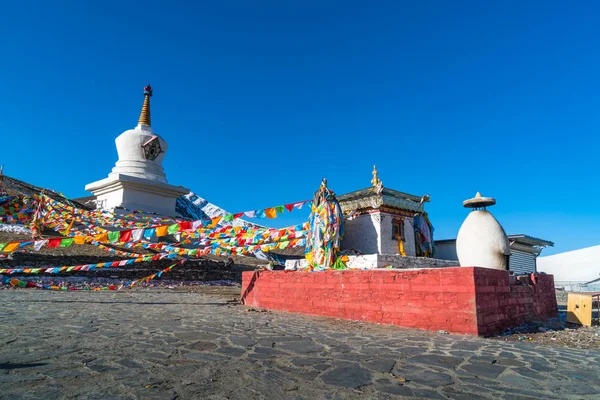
(138, 181)
(384, 227)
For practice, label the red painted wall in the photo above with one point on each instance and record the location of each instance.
(501, 305)
(459, 300)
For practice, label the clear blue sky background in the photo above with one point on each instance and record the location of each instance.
(259, 100)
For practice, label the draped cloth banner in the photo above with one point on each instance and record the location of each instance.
(326, 229)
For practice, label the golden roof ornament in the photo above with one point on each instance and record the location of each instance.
(375, 181)
(145, 114)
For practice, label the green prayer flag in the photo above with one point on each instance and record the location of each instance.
(2, 246)
(173, 228)
(279, 209)
(114, 236)
(228, 217)
(66, 242)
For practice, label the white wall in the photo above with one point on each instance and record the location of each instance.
(372, 234)
(138, 200)
(446, 251)
(362, 233)
(581, 265)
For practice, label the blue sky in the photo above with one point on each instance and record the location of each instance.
(260, 100)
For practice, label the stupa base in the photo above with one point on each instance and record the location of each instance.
(471, 300)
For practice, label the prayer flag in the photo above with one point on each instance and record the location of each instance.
(10, 247)
(125, 236)
(299, 205)
(53, 243)
(150, 234)
(161, 230)
(137, 234)
(67, 242)
(196, 224)
(114, 236)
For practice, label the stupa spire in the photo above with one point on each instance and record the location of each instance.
(145, 114)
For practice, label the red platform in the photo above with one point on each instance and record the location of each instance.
(473, 300)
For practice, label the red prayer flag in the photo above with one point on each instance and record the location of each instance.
(52, 243)
(125, 236)
(239, 215)
(289, 207)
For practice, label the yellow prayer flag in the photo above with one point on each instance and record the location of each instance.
(103, 237)
(215, 221)
(11, 247)
(66, 232)
(270, 212)
(79, 239)
(162, 230)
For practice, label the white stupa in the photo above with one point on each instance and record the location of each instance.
(481, 240)
(138, 181)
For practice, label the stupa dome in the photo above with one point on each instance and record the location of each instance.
(141, 151)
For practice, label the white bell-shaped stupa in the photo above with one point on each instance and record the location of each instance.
(481, 240)
(138, 181)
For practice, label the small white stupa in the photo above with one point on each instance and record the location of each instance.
(481, 240)
(138, 181)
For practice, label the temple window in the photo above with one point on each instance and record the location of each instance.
(398, 229)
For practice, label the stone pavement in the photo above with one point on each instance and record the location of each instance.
(158, 344)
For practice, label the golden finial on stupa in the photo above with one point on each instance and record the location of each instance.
(375, 181)
(145, 114)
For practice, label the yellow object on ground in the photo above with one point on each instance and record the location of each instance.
(579, 309)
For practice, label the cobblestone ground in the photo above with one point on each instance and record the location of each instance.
(153, 344)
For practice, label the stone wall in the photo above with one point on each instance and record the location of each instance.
(469, 300)
(373, 261)
(412, 262)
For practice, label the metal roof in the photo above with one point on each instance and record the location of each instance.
(519, 238)
(530, 240)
